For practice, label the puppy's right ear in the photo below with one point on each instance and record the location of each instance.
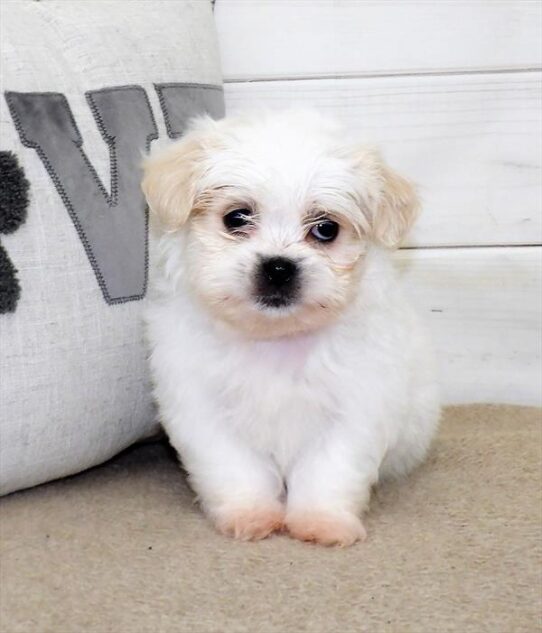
(169, 181)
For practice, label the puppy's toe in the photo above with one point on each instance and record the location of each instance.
(251, 523)
(325, 528)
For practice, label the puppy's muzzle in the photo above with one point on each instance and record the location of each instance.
(277, 282)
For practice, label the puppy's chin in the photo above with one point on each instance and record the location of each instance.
(257, 320)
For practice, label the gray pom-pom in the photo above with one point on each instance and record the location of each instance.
(13, 193)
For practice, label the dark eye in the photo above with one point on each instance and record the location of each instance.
(237, 219)
(325, 231)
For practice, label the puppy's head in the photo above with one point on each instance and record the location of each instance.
(276, 213)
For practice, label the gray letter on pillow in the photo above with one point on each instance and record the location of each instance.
(112, 226)
(180, 102)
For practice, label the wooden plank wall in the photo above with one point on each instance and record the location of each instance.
(451, 92)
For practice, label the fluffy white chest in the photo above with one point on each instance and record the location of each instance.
(273, 396)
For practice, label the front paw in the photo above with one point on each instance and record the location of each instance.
(250, 523)
(326, 528)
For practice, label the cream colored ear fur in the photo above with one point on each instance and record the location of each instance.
(392, 200)
(169, 181)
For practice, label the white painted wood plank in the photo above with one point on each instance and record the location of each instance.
(299, 38)
(471, 142)
(484, 309)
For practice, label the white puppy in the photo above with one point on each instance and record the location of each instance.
(289, 371)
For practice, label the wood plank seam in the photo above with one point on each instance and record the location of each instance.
(386, 75)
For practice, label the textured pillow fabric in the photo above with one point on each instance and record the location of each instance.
(86, 88)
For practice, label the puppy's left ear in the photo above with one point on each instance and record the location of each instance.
(168, 183)
(171, 175)
(392, 200)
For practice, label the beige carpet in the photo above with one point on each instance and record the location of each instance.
(122, 549)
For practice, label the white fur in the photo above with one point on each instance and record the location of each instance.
(299, 410)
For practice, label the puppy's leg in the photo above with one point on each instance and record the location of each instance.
(238, 488)
(330, 486)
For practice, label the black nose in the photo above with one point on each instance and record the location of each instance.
(279, 271)
(277, 281)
